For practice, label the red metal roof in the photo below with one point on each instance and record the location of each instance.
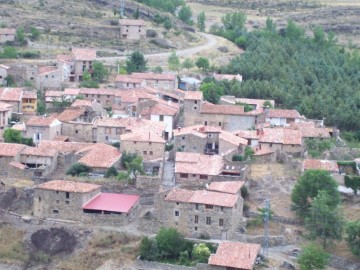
(121, 203)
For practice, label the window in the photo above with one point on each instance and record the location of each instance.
(221, 222)
(67, 195)
(208, 220)
(177, 203)
(161, 118)
(195, 108)
(204, 177)
(183, 138)
(205, 123)
(177, 213)
(76, 131)
(209, 135)
(46, 76)
(107, 130)
(118, 130)
(219, 124)
(196, 220)
(270, 144)
(195, 101)
(56, 211)
(67, 202)
(39, 199)
(209, 206)
(196, 206)
(195, 228)
(57, 192)
(144, 153)
(106, 138)
(194, 175)
(87, 95)
(57, 201)
(151, 153)
(184, 175)
(222, 209)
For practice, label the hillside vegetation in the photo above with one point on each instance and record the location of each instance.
(311, 74)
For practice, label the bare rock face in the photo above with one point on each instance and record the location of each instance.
(53, 240)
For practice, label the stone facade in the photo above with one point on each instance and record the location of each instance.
(109, 134)
(78, 131)
(132, 29)
(39, 133)
(7, 35)
(3, 74)
(50, 80)
(190, 142)
(5, 114)
(60, 204)
(196, 219)
(147, 150)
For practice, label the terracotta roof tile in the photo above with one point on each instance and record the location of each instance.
(51, 93)
(68, 186)
(5, 107)
(193, 95)
(47, 69)
(232, 187)
(99, 156)
(281, 136)
(128, 79)
(18, 165)
(179, 195)
(316, 164)
(247, 134)
(39, 151)
(70, 114)
(11, 94)
(72, 91)
(97, 91)
(10, 149)
(163, 109)
(194, 163)
(235, 255)
(42, 121)
(214, 198)
(133, 95)
(19, 126)
(29, 95)
(233, 139)
(81, 102)
(64, 57)
(278, 113)
(131, 22)
(84, 54)
(208, 108)
(308, 130)
(142, 136)
(154, 76)
(64, 147)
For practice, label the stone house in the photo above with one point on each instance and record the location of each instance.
(108, 130)
(12, 96)
(5, 114)
(106, 97)
(146, 144)
(83, 202)
(283, 118)
(43, 128)
(309, 130)
(228, 117)
(132, 29)
(128, 82)
(281, 139)
(194, 169)
(130, 102)
(29, 102)
(252, 136)
(3, 74)
(50, 77)
(208, 140)
(316, 164)
(158, 81)
(58, 198)
(201, 212)
(234, 256)
(51, 96)
(9, 152)
(83, 59)
(22, 72)
(231, 187)
(99, 157)
(40, 160)
(7, 35)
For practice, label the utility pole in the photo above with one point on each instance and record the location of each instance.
(266, 227)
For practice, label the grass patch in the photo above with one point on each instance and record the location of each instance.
(12, 249)
(102, 247)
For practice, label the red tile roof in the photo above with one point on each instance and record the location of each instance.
(10, 149)
(208, 108)
(214, 198)
(120, 203)
(99, 156)
(281, 136)
(179, 195)
(70, 114)
(68, 186)
(72, 91)
(84, 54)
(5, 107)
(278, 113)
(29, 95)
(235, 255)
(133, 95)
(18, 165)
(47, 69)
(81, 102)
(39, 151)
(96, 91)
(163, 109)
(11, 94)
(309, 130)
(128, 79)
(247, 134)
(131, 22)
(64, 57)
(316, 164)
(64, 147)
(154, 76)
(7, 31)
(194, 163)
(233, 139)
(232, 187)
(50, 93)
(142, 136)
(193, 95)
(42, 121)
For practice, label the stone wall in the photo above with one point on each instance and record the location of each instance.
(344, 153)
(146, 182)
(147, 150)
(190, 143)
(80, 132)
(160, 266)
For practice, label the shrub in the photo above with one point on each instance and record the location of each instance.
(169, 147)
(123, 176)
(244, 192)
(170, 242)
(204, 236)
(237, 157)
(246, 207)
(201, 253)
(148, 249)
(111, 172)
(353, 182)
(78, 168)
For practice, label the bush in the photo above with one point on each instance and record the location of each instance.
(246, 207)
(148, 249)
(244, 192)
(170, 242)
(78, 168)
(111, 172)
(116, 144)
(169, 147)
(201, 253)
(237, 157)
(123, 176)
(204, 236)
